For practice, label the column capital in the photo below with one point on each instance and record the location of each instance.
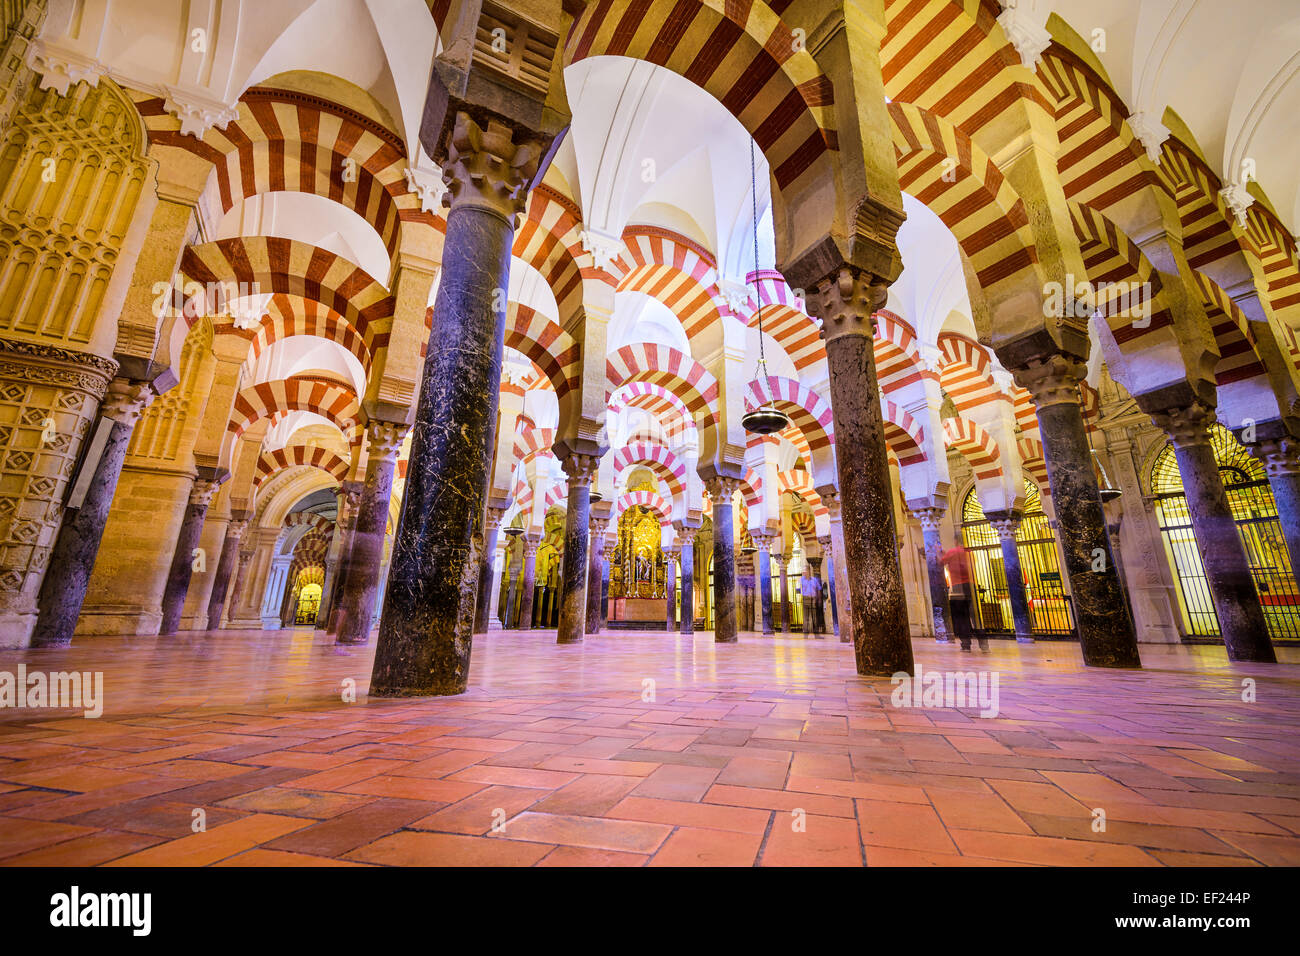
(531, 545)
(721, 486)
(486, 167)
(930, 517)
(824, 542)
(384, 439)
(831, 499)
(1186, 426)
(685, 533)
(671, 555)
(779, 557)
(492, 518)
(580, 469)
(598, 525)
(1052, 379)
(125, 401)
(1007, 523)
(202, 491)
(1281, 456)
(236, 528)
(847, 301)
(762, 541)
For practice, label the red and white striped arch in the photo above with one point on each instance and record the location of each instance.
(800, 483)
(290, 315)
(676, 271)
(549, 242)
(1239, 361)
(660, 365)
(897, 352)
(665, 465)
(644, 499)
(975, 445)
(786, 320)
(271, 462)
(310, 519)
(904, 435)
(334, 402)
(531, 440)
(966, 372)
(1031, 459)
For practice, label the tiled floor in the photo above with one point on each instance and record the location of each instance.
(648, 749)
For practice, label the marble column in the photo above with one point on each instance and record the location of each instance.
(289, 607)
(509, 588)
(610, 541)
(825, 542)
(182, 566)
(426, 633)
(818, 591)
(882, 645)
(349, 499)
(63, 590)
(361, 577)
(686, 537)
(1227, 571)
(237, 586)
(1007, 523)
(1106, 634)
(527, 583)
(783, 570)
(764, 558)
(1281, 457)
(500, 559)
(839, 579)
(805, 600)
(595, 569)
(225, 567)
(670, 587)
(572, 590)
(491, 528)
(724, 561)
(930, 519)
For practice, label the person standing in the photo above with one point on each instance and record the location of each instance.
(956, 568)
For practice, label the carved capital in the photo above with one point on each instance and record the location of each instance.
(722, 488)
(487, 168)
(1187, 426)
(385, 439)
(492, 518)
(1052, 379)
(670, 556)
(1006, 523)
(580, 469)
(831, 499)
(846, 303)
(930, 518)
(531, 545)
(762, 541)
(235, 530)
(598, 526)
(125, 401)
(202, 491)
(824, 542)
(1281, 456)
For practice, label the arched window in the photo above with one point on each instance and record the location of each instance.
(1049, 605)
(1251, 500)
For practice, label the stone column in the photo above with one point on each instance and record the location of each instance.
(225, 568)
(426, 633)
(724, 561)
(611, 540)
(819, 619)
(764, 558)
(182, 566)
(840, 578)
(930, 518)
(349, 499)
(491, 528)
(783, 570)
(63, 589)
(508, 592)
(277, 591)
(846, 303)
(1106, 634)
(527, 584)
(289, 608)
(572, 588)
(687, 538)
(1227, 571)
(1007, 523)
(500, 559)
(825, 542)
(361, 578)
(595, 569)
(1281, 457)
(670, 587)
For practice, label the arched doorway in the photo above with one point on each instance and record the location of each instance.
(1049, 605)
(307, 594)
(1251, 500)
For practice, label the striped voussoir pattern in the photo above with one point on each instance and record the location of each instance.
(677, 272)
(315, 456)
(310, 519)
(1032, 460)
(741, 52)
(799, 482)
(644, 499)
(904, 435)
(289, 315)
(966, 372)
(549, 242)
(332, 401)
(665, 366)
(1238, 359)
(809, 412)
(1118, 269)
(786, 320)
(666, 465)
(975, 445)
(549, 347)
(531, 440)
(897, 352)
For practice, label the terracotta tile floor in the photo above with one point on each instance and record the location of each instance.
(769, 752)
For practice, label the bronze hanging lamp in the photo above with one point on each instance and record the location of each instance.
(767, 419)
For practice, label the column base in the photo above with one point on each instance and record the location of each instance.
(16, 629)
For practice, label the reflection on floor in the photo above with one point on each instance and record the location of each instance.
(648, 748)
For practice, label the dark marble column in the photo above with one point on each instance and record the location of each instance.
(572, 591)
(686, 538)
(1007, 523)
(782, 566)
(63, 589)
(595, 569)
(1227, 571)
(825, 542)
(930, 519)
(1281, 457)
(336, 558)
(226, 567)
(183, 558)
(361, 578)
(818, 615)
(604, 586)
(670, 587)
(527, 582)
(839, 578)
(764, 559)
(491, 527)
(426, 633)
(724, 561)
(882, 643)
(1106, 634)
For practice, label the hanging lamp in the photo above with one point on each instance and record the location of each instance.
(767, 419)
